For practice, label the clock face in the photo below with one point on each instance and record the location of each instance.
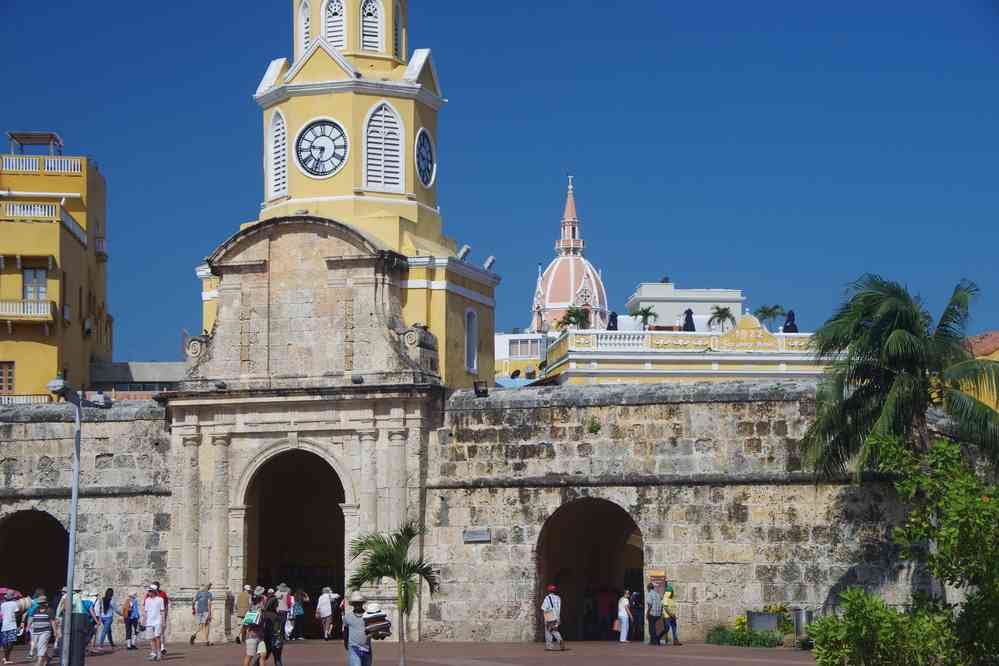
(426, 159)
(321, 148)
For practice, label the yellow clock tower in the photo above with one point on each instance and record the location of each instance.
(350, 134)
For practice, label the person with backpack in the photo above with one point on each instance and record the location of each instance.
(298, 614)
(108, 610)
(131, 615)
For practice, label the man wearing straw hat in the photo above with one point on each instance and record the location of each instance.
(355, 639)
(41, 629)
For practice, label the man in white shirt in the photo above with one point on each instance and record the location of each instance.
(324, 611)
(8, 630)
(551, 607)
(152, 619)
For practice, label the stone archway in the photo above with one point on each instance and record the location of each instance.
(34, 549)
(294, 526)
(591, 549)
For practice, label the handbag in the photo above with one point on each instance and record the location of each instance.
(549, 615)
(660, 626)
(252, 618)
(616, 626)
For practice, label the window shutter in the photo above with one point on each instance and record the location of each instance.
(383, 150)
(471, 341)
(336, 29)
(278, 157)
(306, 22)
(371, 26)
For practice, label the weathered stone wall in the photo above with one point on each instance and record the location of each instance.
(126, 503)
(710, 473)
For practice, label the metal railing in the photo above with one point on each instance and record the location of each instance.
(56, 165)
(26, 309)
(27, 399)
(29, 210)
(101, 245)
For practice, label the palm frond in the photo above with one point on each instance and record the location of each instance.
(977, 422)
(951, 328)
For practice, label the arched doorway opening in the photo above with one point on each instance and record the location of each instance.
(34, 549)
(295, 528)
(592, 550)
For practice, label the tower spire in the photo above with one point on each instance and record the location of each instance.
(570, 241)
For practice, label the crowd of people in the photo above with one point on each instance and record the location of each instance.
(624, 620)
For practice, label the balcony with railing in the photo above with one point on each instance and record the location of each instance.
(42, 211)
(42, 165)
(26, 399)
(101, 248)
(20, 310)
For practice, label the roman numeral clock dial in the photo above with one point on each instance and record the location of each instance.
(321, 148)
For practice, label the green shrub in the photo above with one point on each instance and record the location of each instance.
(722, 635)
(870, 633)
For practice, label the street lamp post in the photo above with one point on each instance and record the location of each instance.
(59, 387)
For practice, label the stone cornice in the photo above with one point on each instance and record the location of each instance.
(404, 89)
(64, 493)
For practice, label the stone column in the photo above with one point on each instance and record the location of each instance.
(220, 514)
(368, 450)
(351, 529)
(397, 476)
(190, 509)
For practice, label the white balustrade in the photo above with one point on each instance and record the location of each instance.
(64, 166)
(20, 164)
(73, 226)
(21, 308)
(38, 399)
(620, 340)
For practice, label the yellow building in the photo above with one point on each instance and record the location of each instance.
(748, 351)
(53, 267)
(349, 134)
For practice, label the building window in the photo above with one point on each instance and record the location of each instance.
(471, 341)
(336, 25)
(371, 25)
(397, 32)
(305, 26)
(6, 377)
(278, 159)
(35, 284)
(525, 348)
(383, 150)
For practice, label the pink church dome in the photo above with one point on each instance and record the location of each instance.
(570, 280)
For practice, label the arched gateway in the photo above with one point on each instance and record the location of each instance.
(33, 551)
(592, 550)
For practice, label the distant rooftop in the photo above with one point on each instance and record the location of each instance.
(18, 141)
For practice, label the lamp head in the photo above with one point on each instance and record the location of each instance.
(59, 387)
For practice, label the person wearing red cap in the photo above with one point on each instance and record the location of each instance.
(551, 608)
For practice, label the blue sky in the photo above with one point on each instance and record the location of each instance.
(779, 147)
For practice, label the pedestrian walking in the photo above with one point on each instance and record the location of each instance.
(274, 631)
(355, 639)
(90, 604)
(153, 615)
(654, 613)
(166, 614)
(253, 624)
(551, 609)
(41, 630)
(131, 613)
(26, 621)
(324, 611)
(108, 610)
(201, 608)
(8, 627)
(624, 615)
(242, 608)
(298, 614)
(669, 607)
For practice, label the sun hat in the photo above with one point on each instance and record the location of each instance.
(151, 588)
(42, 600)
(356, 597)
(374, 608)
(248, 588)
(258, 591)
(8, 595)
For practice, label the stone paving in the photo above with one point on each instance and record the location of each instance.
(314, 653)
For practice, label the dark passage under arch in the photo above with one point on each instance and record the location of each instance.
(34, 548)
(295, 528)
(592, 550)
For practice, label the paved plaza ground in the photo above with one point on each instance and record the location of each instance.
(315, 653)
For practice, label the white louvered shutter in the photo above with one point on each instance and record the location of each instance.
(371, 26)
(306, 22)
(383, 150)
(336, 27)
(278, 157)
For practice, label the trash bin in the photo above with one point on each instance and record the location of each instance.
(78, 641)
(802, 618)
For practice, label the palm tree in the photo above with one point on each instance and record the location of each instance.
(387, 556)
(646, 314)
(889, 364)
(574, 317)
(721, 315)
(768, 314)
